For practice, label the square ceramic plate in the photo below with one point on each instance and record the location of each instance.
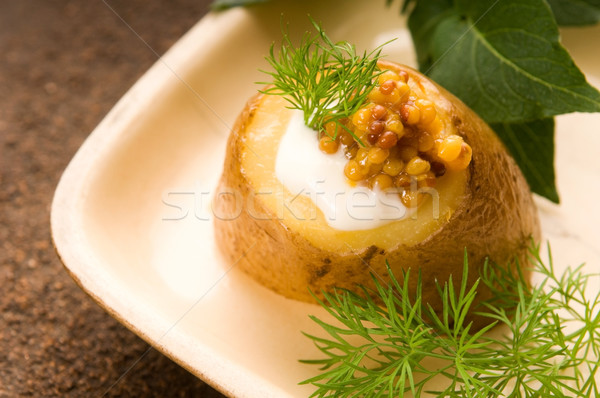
(131, 218)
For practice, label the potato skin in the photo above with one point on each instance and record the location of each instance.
(496, 219)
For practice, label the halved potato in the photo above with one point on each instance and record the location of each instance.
(284, 242)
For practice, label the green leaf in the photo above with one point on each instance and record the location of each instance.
(218, 5)
(532, 146)
(503, 59)
(576, 12)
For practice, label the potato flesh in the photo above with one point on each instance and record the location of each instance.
(300, 214)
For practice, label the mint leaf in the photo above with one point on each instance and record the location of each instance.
(503, 59)
(576, 12)
(218, 5)
(532, 146)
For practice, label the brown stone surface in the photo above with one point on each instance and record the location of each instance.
(63, 64)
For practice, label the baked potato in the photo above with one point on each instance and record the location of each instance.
(483, 202)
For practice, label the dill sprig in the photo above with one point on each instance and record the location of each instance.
(548, 344)
(327, 81)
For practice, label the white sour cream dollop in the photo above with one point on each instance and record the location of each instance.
(305, 170)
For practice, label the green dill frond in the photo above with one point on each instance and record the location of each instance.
(549, 345)
(328, 81)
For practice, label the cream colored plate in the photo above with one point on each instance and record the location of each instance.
(131, 215)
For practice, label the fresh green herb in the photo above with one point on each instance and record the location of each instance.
(504, 60)
(327, 81)
(548, 345)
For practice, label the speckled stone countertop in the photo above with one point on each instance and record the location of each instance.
(63, 66)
